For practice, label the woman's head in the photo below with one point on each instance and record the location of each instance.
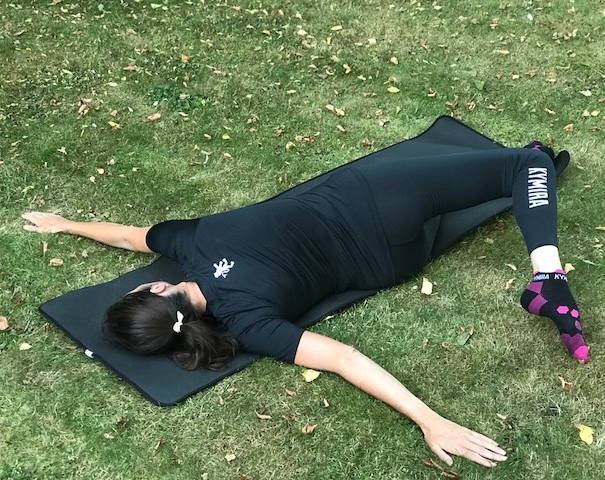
(144, 322)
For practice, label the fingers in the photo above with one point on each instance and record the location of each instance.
(444, 457)
(475, 457)
(487, 443)
(31, 228)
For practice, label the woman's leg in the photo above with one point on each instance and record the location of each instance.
(436, 185)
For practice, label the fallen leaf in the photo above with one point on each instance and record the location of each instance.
(512, 267)
(427, 286)
(336, 28)
(55, 262)
(429, 462)
(44, 248)
(309, 374)
(62, 150)
(100, 171)
(262, 416)
(153, 117)
(114, 125)
(392, 89)
(227, 155)
(394, 60)
(84, 106)
(290, 393)
(371, 41)
(568, 127)
(463, 338)
(431, 92)
(367, 143)
(3, 323)
(326, 404)
(600, 228)
(131, 68)
(509, 284)
(565, 385)
(586, 93)
(501, 52)
(549, 111)
(450, 475)
(586, 433)
(24, 346)
(290, 145)
(108, 436)
(185, 58)
(340, 128)
(229, 457)
(307, 429)
(568, 267)
(225, 136)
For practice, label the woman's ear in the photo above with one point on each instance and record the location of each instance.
(158, 288)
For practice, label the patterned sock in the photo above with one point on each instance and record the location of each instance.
(548, 295)
(538, 145)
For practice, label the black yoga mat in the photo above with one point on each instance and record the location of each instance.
(80, 313)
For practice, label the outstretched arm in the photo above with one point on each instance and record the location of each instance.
(323, 353)
(114, 234)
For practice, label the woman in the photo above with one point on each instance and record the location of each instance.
(250, 270)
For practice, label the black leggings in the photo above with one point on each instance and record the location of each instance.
(407, 193)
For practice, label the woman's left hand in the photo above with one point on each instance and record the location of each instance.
(444, 436)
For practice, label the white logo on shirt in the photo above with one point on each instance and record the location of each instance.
(222, 268)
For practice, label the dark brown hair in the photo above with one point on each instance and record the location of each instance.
(143, 322)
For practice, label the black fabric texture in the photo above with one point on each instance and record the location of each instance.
(80, 313)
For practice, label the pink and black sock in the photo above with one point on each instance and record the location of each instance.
(548, 295)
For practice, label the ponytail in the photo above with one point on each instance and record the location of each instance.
(145, 323)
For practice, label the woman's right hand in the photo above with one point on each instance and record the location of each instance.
(444, 436)
(45, 222)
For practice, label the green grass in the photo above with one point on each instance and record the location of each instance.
(57, 405)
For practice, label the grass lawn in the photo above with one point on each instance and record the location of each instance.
(241, 89)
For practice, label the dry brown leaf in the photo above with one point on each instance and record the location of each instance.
(429, 462)
(307, 429)
(290, 393)
(84, 106)
(568, 127)
(229, 457)
(509, 284)
(600, 228)
(340, 128)
(3, 323)
(394, 60)
(290, 145)
(427, 286)
(568, 267)
(450, 475)
(262, 416)
(501, 52)
(549, 111)
(108, 436)
(56, 262)
(367, 143)
(326, 404)
(185, 58)
(153, 117)
(131, 68)
(565, 385)
(511, 266)
(24, 346)
(228, 156)
(431, 93)
(586, 93)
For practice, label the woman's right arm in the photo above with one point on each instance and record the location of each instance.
(114, 234)
(443, 436)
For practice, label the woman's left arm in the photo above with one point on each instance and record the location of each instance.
(114, 234)
(443, 436)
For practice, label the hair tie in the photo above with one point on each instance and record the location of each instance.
(179, 322)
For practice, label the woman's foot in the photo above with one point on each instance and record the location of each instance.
(548, 295)
(538, 145)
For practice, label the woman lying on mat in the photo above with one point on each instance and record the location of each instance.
(250, 270)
